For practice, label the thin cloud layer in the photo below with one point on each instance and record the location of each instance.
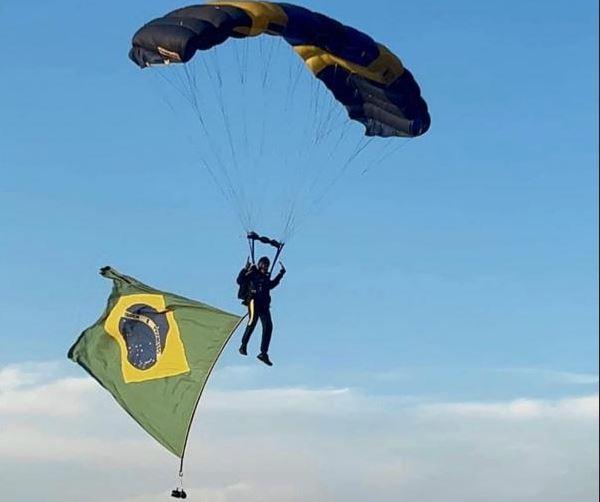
(521, 409)
(292, 444)
(561, 377)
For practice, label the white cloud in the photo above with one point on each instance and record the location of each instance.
(235, 375)
(521, 409)
(292, 444)
(16, 376)
(562, 377)
(578, 378)
(31, 443)
(286, 400)
(60, 397)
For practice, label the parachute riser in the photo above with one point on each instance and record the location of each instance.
(253, 237)
(251, 244)
(277, 255)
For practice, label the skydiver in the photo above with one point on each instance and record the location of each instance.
(255, 291)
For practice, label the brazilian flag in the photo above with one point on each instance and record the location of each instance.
(154, 351)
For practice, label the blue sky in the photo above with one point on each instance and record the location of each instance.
(464, 268)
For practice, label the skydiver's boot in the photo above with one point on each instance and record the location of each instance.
(264, 357)
(243, 350)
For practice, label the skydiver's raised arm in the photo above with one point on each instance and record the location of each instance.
(275, 282)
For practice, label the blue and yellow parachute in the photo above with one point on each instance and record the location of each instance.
(363, 75)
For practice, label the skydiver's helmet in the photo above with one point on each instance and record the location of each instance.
(263, 264)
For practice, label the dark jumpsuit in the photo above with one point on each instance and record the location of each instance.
(258, 300)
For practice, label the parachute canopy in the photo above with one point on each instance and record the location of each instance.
(363, 75)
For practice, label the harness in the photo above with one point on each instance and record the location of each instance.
(245, 291)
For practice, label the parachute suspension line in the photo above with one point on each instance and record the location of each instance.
(286, 102)
(295, 71)
(236, 197)
(225, 97)
(189, 97)
(386, 155)
(160, 91)
(267, 66)
(180, 89)
(246, 174)
(337, 115)
(266, 99)
(289, 215)
(316, 114)
(219, 89)
(217, 84)
(243, 97)
(341, 138)
(263, 102)
(286, 204)
(265, 70)
(203, 160)
(287, 120)
(258, 126)
(318, 199)
(327, 117)
(290, 222)
(245, 57)
(358, 150)
(262, 72)
(337, 122)
(310, 125)
(318, 178)
(302, 154)
(230, 188)
(268, 118)
(292, 88)
(239, 62)
(270, 84)
(384, 150)
(230, 137)
(330, 114)
(305, 133)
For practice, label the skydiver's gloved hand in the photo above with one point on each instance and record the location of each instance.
(283, 270)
